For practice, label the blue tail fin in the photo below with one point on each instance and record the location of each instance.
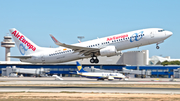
(79, 67)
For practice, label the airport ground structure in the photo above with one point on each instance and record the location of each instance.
(70, 69)
(137, 61)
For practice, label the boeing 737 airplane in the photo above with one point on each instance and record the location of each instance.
(98, 76)
(107, 46)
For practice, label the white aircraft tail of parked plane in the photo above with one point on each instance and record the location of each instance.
(107, 46)
(98, 75)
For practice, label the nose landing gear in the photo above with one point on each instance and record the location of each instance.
(157, 47)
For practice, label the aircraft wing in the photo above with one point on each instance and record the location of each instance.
(20, 57)
(82, 50)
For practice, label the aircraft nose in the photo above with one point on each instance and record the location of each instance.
(168, 33)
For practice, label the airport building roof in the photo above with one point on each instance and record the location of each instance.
(154, 60)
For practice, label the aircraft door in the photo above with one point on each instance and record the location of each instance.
(42, 58)
(152, 35)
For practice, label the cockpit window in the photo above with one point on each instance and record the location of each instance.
(161, 30)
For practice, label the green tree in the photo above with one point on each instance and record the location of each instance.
(170, 63)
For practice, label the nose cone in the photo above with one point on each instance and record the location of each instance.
(168, 33)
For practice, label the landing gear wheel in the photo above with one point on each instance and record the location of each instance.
(92, 60)
(96, 61)
(157, 47)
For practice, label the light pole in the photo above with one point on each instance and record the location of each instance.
(80, 38)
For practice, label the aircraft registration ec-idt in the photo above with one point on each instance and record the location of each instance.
(106, 46)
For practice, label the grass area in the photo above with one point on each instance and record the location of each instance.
(110, 85)
(86, 97)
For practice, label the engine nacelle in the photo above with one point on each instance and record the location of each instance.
(108, 51)
(110, 78)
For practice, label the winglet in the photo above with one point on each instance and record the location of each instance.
(54, 39)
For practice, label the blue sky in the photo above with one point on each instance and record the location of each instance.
(67, 19)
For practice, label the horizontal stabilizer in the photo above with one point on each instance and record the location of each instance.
(21, 57)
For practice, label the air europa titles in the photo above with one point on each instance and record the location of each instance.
(23, 40)
(117, 37)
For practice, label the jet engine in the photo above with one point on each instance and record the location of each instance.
(108, 51)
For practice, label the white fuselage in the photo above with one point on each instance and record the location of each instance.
(120, 41)
(102, 75)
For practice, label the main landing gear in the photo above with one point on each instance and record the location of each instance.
(92, 60)
(157, 47)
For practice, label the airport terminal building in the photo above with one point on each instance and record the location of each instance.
(70, 69)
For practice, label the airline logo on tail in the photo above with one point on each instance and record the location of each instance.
(23, 40)
(79, 67)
